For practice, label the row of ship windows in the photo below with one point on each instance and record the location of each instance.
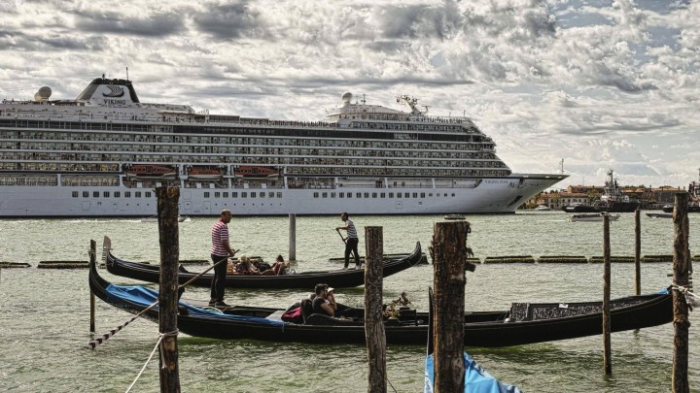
(148, 194)
(373, 150)
(359, 195)
(321, 130)
(338, 142)
(246, 154)
(262, 194)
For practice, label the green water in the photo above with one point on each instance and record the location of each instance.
(44, 314)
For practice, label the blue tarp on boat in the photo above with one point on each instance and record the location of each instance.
(476, 379)
(144, 297)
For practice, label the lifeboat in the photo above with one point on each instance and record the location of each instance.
(204, 173)
(142, 171)
(256, 172)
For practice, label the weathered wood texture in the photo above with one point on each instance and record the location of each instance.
(93, 260)
(292, 237)
(680, 307)
(637, 252)
(607, 358)
(449, 253)
(374, 323)
(168, 236)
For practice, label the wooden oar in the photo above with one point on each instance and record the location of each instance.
(345, 240)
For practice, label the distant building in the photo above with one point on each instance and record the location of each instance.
(665, 194)
(585, 189)
(558, 199)
(586, 195)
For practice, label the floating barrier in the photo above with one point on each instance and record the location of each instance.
(63, 265)
(696, 258)
(6, 265)
(475, 261)
(510, 259)
(423, 259)
(657, 258)
(562, 259)
(613, 259)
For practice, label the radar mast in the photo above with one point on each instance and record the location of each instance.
(412, 103)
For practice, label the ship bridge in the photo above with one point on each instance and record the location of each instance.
(361, 111)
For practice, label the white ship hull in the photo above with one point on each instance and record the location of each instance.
(498, 195)
(101, 154)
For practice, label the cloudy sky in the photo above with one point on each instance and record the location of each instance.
(602, 84)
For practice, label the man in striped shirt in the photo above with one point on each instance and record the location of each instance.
(350, 242)
(220, 251)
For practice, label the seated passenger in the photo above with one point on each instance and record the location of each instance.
(262, 266)
(324, 303)
(245, 266)
(278, 267)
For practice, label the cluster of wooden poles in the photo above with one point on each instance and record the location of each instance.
(449, 254)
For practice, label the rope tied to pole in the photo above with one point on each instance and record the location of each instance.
(160, 340)
(691, 299)
(100, 340)
(94, 343)
(174, 333)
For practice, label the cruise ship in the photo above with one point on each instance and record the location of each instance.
(103, 153)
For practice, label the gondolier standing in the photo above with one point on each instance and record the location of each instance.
(220, 250)
(351, 241)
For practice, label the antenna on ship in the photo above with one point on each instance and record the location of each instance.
(363, 99)
(127, 73)
(562, 165)
(411, 102)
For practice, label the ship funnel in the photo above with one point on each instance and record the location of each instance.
(43, 94)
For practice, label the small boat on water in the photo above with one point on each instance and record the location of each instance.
(660, 215)
(455, 217)
(543, 208)
(523, 323)
(593, 216)
(307, 280)
(579, 208)
(155, 219)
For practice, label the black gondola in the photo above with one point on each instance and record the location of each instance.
(524, 323)
(334, 278)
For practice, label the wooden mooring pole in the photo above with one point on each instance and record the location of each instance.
(292, 237)
(93, 260)
(637, 253)
(374, 323)
(168, 198)
(607, 365)
(449, 254)
(680, 307)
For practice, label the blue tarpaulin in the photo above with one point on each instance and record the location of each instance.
(476, 379)
(144, 297)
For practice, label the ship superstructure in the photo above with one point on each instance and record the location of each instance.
(102, 153)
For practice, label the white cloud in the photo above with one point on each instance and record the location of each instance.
(601, 84)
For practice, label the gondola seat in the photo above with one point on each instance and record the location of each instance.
(325, 320)
(307, 309)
